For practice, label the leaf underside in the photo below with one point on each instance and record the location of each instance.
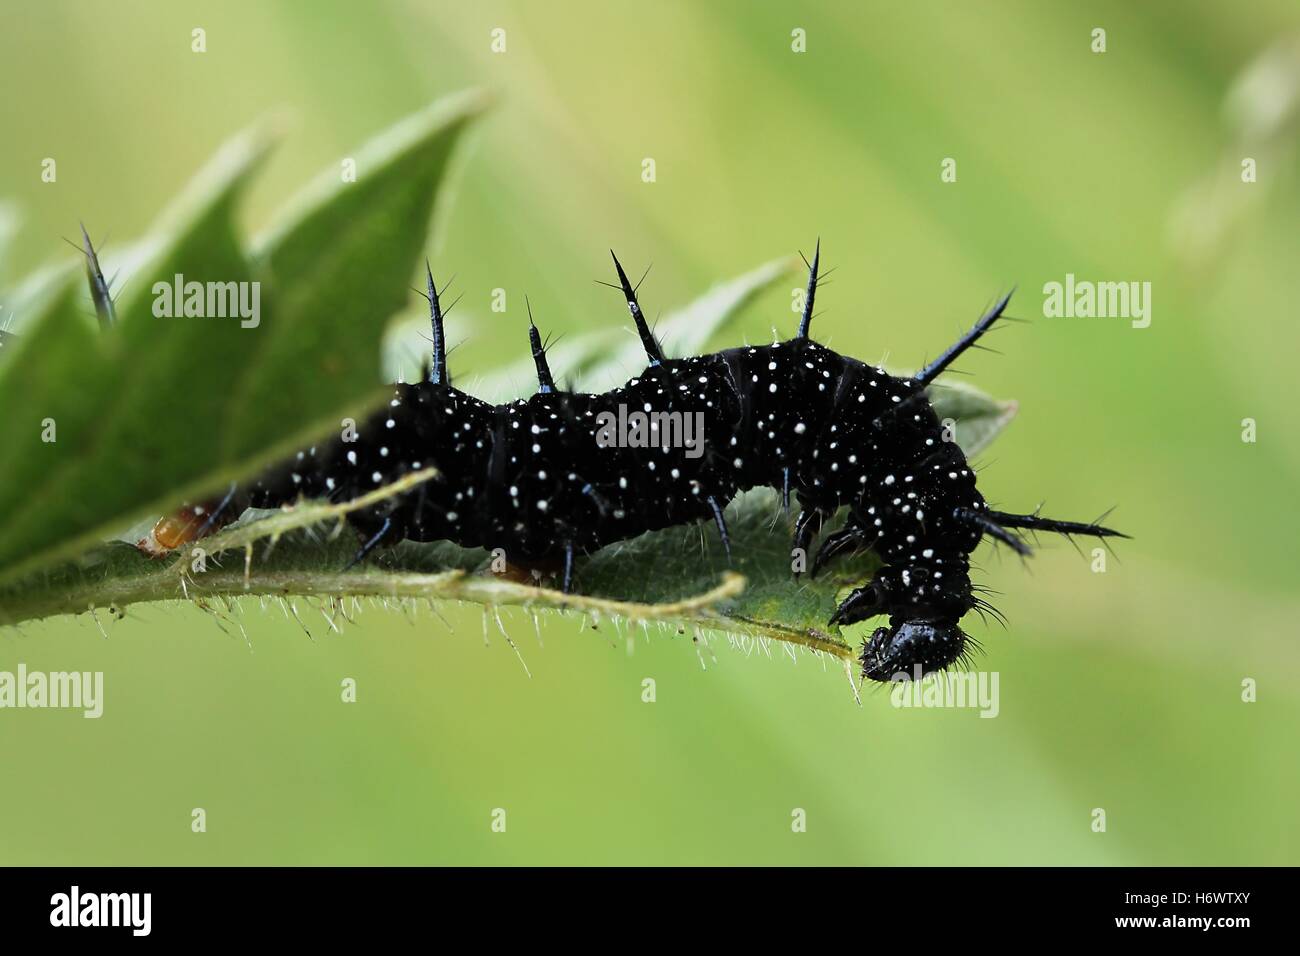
(678, 576)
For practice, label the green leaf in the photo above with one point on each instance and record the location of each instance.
(157, 408)
(692, 586)
(338, 265)
(979, 419)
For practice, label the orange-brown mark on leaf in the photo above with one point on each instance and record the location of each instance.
(174, 530)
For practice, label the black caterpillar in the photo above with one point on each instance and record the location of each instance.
(530, 477)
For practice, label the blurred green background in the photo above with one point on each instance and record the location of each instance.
(1119, 690)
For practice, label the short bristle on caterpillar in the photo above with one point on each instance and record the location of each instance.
(536, 478)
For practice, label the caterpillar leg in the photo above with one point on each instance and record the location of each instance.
(806, 527)
(862, 603)
(372, 542)
(567, 582)
(721, 522)
(847, 540)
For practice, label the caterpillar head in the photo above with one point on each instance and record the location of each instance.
(908, 650)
